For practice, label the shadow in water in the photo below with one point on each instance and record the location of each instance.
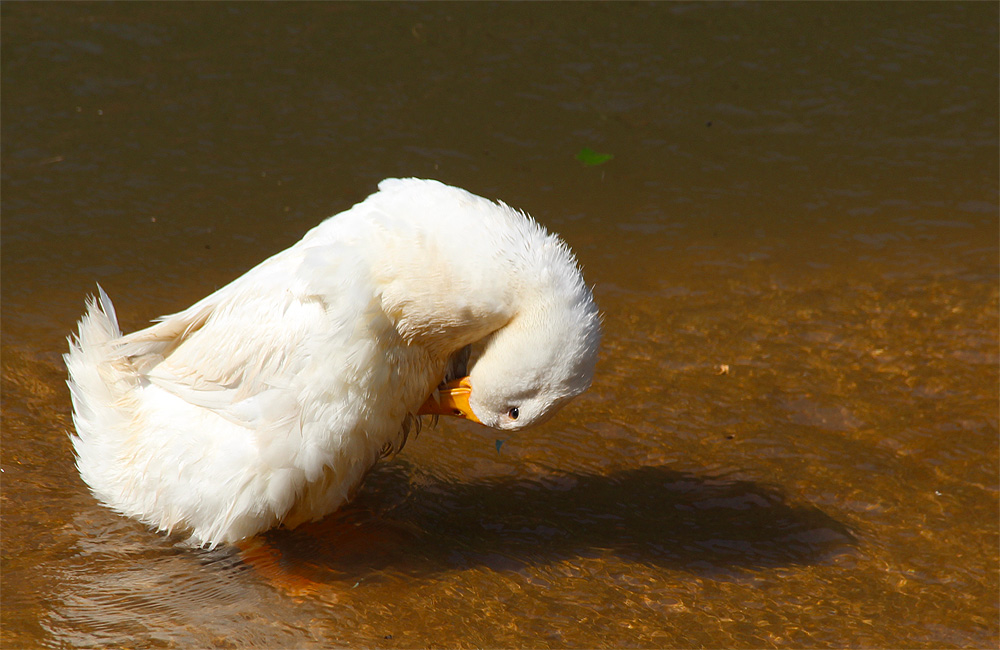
(649, 515)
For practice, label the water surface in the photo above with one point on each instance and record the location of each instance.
(792, 439)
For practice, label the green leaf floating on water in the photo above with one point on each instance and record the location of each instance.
(590, 158)
(500, 444)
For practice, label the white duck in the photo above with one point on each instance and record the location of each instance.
(267, 402)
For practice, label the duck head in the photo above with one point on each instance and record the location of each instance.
(538, 361)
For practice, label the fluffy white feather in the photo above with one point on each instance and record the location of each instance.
(266, 402)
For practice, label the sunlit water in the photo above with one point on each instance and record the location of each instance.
(792, 438)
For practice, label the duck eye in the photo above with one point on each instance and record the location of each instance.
(513, 413)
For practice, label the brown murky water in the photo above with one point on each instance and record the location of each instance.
(805, 194)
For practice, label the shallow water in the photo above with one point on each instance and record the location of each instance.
(792, 439)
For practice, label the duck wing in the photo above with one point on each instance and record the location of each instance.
(235, 352)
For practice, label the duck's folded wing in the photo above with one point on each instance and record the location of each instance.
(234, 355)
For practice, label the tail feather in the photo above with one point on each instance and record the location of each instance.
(89, 349)
(93, 388)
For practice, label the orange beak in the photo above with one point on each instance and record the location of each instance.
(452, 399)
